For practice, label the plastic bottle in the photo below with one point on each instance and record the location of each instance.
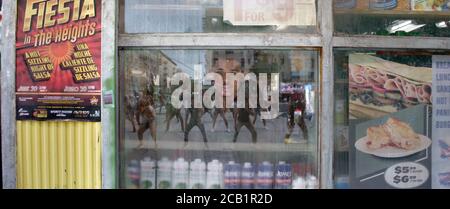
(214, 175)
(180, 174)
(197, 174)
(311, 182)
(232, 175)
(283, 176)
(164, 174)
(133, 172)
(248, 176)
(264, 177)
(148, 173)
(299, 183)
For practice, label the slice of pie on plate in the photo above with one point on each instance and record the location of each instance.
(393, 133)
(377, 137)
(402, 135)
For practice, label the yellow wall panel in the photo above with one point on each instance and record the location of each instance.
(58, 155)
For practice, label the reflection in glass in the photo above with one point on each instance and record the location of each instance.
(158, 138)
(392, 17)
(383, 102)
(217, 16)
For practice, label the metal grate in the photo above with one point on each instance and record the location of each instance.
(58, 155)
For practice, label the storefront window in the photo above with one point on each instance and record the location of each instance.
(387, 119)
(392, 17)
(163, 146)
(218, 16)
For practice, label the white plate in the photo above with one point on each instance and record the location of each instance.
(392, 152)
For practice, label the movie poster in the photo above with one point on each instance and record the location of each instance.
(58, 58)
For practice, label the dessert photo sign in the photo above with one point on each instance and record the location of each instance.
(390, 108)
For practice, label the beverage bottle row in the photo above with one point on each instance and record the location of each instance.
(178, 174)
(197, 174)
(265, 176)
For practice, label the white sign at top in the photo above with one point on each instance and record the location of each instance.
(270, 12)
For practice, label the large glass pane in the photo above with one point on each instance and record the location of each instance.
(198, 16)
(392, 17)
(246, 145)
(386, 120)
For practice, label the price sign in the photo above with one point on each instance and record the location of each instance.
(406, 175)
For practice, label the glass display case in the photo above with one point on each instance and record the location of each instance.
(196, 38)
(162, 146)
(339, 79)
(387, 112)
(392, 17)
(218, 16)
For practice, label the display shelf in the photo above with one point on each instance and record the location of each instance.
(392, 13)
(300, 146)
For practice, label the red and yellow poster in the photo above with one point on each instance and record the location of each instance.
(58, 59)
